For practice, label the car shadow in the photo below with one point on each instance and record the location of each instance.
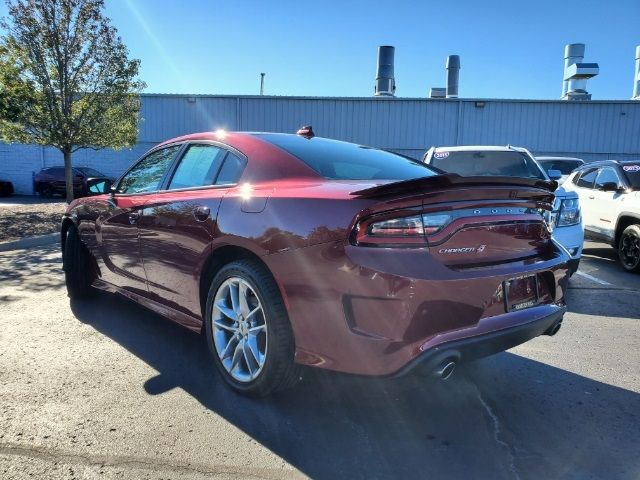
(603, 253)
(22, 272)
(616, 297)
(500, 417)
(606, 302)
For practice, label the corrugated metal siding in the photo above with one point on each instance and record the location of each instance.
(589, 130)
(380, 123)
(561, 126)
(164, 117)
(410, 124)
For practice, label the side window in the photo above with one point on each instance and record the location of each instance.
(231, 170)
(587, 178)
(198, 167)
(607, 175)
(147, 174)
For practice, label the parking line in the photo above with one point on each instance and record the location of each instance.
(592, 278)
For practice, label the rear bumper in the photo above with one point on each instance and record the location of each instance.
(372, 311)
(571, 238)
(573, 265)
(479, 346)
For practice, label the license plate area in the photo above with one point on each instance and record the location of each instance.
(521, 292)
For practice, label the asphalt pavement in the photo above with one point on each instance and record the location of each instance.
(106, 389)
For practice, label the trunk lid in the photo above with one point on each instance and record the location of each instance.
(483, 220)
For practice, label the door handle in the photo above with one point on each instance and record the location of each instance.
(201, 213)
(591, 197)
(133, 218)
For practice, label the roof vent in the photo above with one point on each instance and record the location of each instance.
(576, 73)
(636, 76)
(385, 81)
(435, 92)
(453, 75)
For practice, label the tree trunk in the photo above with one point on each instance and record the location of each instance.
(68, 174)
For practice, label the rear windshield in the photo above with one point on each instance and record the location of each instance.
(90, 171)
(487, 163)
(565, 166)
(632, 171)
(337, 160)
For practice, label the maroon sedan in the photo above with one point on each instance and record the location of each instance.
(86, 181)
(290, 250)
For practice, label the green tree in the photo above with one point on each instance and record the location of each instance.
(66, 79)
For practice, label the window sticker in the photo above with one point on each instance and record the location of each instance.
(441, 155)
(631, 168)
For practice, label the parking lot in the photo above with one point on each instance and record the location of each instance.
(104, 388)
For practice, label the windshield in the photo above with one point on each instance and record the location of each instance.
(337, 160)
(90, 172)
(632, 171)
(487, 163)
(564, 166)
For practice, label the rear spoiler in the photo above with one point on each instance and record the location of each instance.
(450, 179)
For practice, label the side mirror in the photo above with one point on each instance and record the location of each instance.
(608, 187)
(554, 174)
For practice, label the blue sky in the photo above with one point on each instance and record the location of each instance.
(508, 49)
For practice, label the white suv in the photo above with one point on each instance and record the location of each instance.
(565, 221)
(609, 192)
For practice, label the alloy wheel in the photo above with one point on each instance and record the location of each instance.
(630, 250)
(239, 329)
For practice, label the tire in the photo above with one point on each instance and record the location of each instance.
(271, 341)
(46, 191)
(629, 248)
(79, 272)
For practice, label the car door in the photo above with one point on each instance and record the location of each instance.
(604, 202)
(57, 180)
(584, 188)
(178, 224)
(117, 226)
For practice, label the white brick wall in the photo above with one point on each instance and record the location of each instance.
(17, 164)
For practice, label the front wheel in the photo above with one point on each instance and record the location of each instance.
(46, 191)
(79, 271)
(248, 330)
(629, 248)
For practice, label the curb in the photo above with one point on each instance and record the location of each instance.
(30, 242)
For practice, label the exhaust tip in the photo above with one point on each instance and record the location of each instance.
(445, 370)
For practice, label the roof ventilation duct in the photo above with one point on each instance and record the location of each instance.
(385, 81)
(435, 92)
(453, 75)
(576, 73)
(636, 77)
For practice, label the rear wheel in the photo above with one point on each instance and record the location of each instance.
(629, 248)
(79, 272)
(248, 330)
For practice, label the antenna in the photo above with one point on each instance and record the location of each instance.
(262, 83)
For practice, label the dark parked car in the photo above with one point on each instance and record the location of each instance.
(290, 250)
(565, 165)
(86, 181)
(6, 188)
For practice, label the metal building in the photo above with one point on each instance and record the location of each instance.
(590, 130)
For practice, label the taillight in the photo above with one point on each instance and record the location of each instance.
(399, 231)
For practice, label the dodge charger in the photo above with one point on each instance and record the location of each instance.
(289, 251)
